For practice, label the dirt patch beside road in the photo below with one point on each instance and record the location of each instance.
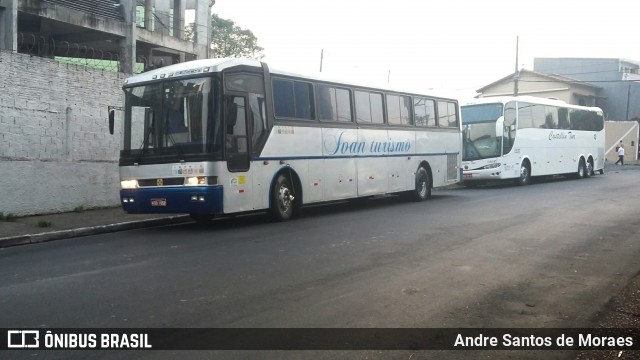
(622, 312)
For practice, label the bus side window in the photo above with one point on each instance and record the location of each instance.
(509, 133)
(259, 126)
(236, 142)
(232, 116)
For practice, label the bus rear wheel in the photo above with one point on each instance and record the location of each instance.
(589, 169)
(282, 200)
(423, 185)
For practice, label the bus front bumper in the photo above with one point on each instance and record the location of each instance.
(172, 200)
(481, 175)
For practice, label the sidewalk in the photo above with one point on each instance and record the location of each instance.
(628, 165)
(41, 228)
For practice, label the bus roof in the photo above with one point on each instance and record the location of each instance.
(529, 99)
(191, 67)
(217, 65)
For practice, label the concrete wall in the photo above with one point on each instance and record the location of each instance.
(627, 131)
(56, 152)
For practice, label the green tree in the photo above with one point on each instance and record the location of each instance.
(230, 40)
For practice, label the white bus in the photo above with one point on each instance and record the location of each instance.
(524, 136)
(221, 136)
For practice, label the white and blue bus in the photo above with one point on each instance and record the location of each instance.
(524, 136)
(223, 136)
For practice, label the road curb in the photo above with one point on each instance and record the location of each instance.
(92, 230)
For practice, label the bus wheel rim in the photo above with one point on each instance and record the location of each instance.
(284, 199)
(423, 187)
(524, 174)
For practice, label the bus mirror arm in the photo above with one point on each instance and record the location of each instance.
(112, 120)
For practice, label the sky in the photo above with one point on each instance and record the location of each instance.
(453, 46)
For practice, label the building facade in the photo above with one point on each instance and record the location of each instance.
(618, 79)
(543, 85)
(136, 34)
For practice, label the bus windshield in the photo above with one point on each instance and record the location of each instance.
(169, 118)
(480, 140)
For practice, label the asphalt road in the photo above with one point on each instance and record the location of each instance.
(547, 255)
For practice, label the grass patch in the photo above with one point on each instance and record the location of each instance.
(79, 209)
(44, 223)
(7, 217)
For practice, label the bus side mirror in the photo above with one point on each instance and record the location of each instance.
(112, 120)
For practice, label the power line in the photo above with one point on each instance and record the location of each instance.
(581, 81)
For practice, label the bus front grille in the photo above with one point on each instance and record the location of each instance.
(161, 182)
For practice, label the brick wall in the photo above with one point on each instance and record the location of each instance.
(56, 152)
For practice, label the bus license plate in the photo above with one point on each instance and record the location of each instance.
(158, 202)
(467, 176)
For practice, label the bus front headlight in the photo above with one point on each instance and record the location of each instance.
(129, 184)
(490, 166)
(194, 181)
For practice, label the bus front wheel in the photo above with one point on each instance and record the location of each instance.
(423, 185)
(282, 199)
(582, 169)
(525, 174)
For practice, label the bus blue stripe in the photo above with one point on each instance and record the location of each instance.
(311, 157)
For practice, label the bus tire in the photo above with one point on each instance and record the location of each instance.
(423, 185)
(282, 200)
(525, 174)
(582, 169)
(589, 169)
(601, 171)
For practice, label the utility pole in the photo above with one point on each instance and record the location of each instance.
(628, 100)
(516, 74)
(210, 28)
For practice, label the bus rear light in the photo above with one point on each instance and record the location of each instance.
(197, 198)
(128, 200)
